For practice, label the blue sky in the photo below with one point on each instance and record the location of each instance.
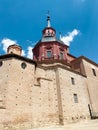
(22, 22)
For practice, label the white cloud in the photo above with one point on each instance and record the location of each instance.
(29, 53)
(6, 42)
(23, 53)
(69, 38)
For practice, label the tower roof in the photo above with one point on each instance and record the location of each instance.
(48, 33)
(49, 47)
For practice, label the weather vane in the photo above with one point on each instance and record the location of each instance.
(48, 15)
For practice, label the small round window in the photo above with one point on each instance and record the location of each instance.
(23, 65)
(1, 63)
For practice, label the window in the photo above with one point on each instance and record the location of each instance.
(49, 54)
(23, 65)
(75, 98)
(48, 32)
(61, 55)
(94, 72)
(11, 52)
(72, 80)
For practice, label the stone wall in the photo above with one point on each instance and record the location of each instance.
(44, 106)
(92, 84)
(17, 82)
(44, 96)
(73, 111)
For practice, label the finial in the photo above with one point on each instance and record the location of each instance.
(48, 19)
(60, 35)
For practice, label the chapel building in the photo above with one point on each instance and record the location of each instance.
(52, 88)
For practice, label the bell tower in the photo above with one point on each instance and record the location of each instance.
(49, 47)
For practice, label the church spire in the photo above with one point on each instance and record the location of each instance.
(48, 20)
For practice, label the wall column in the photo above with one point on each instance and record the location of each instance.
(60, 110)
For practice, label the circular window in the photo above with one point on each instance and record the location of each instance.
(23, 65)
(1, 63)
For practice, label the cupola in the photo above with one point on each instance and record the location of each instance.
(49, 47)
(14, 49)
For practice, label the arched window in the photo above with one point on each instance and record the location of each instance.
(49, 54)
(61, 55)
